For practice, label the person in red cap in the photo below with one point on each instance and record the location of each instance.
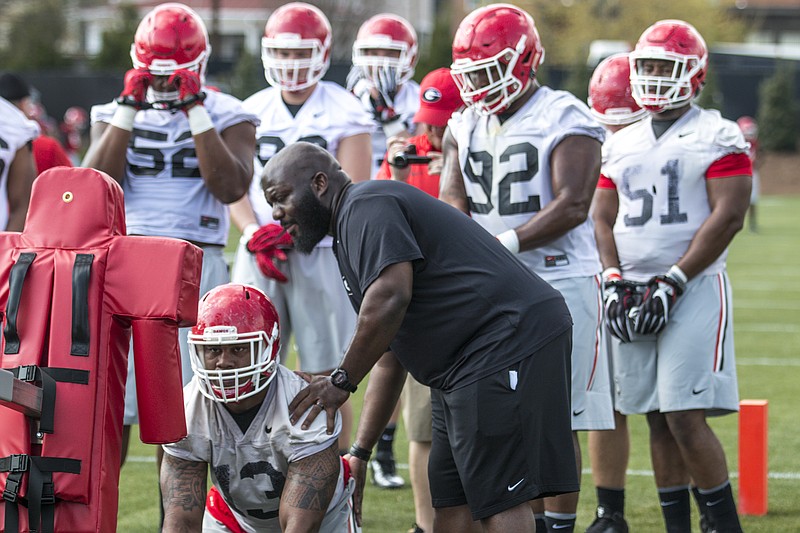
(438, 100)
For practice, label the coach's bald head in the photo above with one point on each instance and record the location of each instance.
(302, 182)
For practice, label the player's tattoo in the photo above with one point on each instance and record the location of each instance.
(311, 482)
(183, 486)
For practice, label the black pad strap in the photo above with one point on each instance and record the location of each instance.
(41, 492)
(41, 497)
(81, 275)
(47, 377)
(16, 280)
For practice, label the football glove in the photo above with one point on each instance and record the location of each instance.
(134, 92)
(189, 89)
(659, 297)
(353, 77)
(387, 85)
(619, 297)
(267, 245)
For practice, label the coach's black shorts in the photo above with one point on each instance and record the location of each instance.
(506, 438)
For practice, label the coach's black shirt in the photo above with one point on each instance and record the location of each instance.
(475, 309)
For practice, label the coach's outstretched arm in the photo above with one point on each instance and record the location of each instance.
(382, 311)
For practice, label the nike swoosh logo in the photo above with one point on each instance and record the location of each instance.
(667, 504)
(682, 135)
(578, 413)
(695, 391)
(515, 485)
(715, 502)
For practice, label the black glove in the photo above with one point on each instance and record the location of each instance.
(618, 298)
(660, 296)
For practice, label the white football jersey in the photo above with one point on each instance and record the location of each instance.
(507, 175)
(15, 132)
(249, 469)
(406, 103)
(164, 192)
(661, 186)
(329, 115)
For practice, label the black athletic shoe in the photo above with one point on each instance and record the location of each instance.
(384, 474)
(606, 522)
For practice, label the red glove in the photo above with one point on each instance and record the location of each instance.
(267, 244)
(134, 93)
(189, 89)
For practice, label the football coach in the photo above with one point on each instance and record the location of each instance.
(439, 297)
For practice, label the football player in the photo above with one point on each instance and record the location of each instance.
(180, 152)
(299, 106)
(267, 474)
(612, 105)
(17, 166)
(384, 57)
(47, 151)
(674, 192)
(523, 160)
(749, 128)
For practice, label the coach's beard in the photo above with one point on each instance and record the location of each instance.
(312, 219)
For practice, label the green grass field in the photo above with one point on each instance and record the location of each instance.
(764, 273)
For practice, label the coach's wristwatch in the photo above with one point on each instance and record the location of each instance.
(339, 378)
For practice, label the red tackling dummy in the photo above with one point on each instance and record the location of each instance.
(72, 288)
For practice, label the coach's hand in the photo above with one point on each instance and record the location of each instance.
(358, 469)
(618, 298)
(267, 244)
(189, 88)
(320, 395)
(660, 296)
(134, 92)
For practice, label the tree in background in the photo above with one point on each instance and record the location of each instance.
(777, 111)
(116, 50)
(34, 32)
(439, 51)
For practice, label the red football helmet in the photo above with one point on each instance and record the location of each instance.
(496, 52)
(171, 37)
(235, 314)
(386, 34)
(304, 30)
(76, 117)
(677, 42)
(610, 99)
(749, 127)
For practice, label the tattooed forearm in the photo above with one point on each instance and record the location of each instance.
(311, 482)
(183, 487)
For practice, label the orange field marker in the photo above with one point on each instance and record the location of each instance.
(753, 457)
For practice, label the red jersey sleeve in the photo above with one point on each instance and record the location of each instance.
(730, 165)
(384, 173)
(605, 183)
